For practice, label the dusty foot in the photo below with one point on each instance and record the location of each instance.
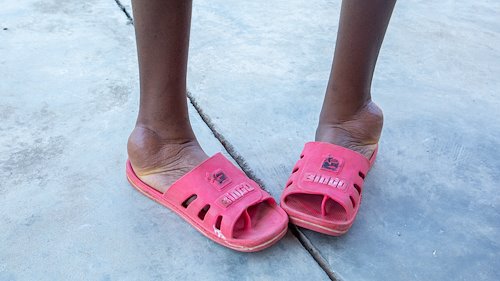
(359, 133)
(160, 162)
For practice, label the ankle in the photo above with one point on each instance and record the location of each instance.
(165, 129)
(343, 101)
(159, 161)
(147, 148)
(361, 129)
(339, 113)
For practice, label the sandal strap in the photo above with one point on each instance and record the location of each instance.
(330, 170)
(215, 193)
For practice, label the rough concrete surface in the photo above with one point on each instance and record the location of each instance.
(431, 205)
(258, 70)
(69, 95)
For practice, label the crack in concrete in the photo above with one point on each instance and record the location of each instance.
(314, 252)
(304, 241)
(225, 143)
(124, 10)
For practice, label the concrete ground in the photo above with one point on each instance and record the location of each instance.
(258, 69)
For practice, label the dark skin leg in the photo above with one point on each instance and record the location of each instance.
(349, 117)
(162, 147)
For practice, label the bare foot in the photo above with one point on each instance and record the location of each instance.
(360, 132)
(160, 162)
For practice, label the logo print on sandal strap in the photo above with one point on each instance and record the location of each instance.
(219, 179)
(236, 193)
(331, 164)
(327, 180)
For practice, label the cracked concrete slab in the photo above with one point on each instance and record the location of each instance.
(69, 96)
(430, 211)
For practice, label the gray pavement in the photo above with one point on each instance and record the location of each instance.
(68, 99)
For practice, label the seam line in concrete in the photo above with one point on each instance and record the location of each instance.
(315, 253)
(124, 10)
(304, 241)
(226, 144)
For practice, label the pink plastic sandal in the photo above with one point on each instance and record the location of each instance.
(324, 191)
(222, 203)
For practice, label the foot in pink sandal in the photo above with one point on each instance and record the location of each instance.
(222, 203)
(324, 191)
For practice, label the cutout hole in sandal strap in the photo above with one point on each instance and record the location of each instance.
(295, 170)
(189, 200)
(218, 222)
(361, 175)
(353, 202)
(289, 183)
(203, 212)
(358, 188)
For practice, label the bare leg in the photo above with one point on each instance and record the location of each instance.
(349, 118)
(162, 147)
